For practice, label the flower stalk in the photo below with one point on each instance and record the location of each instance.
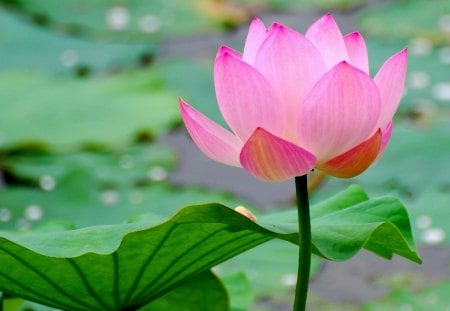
(304, 235)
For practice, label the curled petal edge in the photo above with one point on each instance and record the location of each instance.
(356, 160)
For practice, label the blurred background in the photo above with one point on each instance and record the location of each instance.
(90, 133)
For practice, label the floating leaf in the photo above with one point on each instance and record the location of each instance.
(434, 297)
(129, 265)
(25, 46)
(406, 19)
(64, 113)
(132, 20)
(79, 198)
(271, 268)
(123, 167)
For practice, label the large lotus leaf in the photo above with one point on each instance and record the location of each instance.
(415, 168)
(28, 47)
(126, 166)
(204, 292)
(65, 112)
(406, 19)
(128, 265)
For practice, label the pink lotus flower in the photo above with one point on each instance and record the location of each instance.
(295, 102)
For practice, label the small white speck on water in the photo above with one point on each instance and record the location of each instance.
(5, 214)
(157, 173)
(110, 197)
(444, 55)
(424, 222)
(433, 236)
(69, 58)
(33, 212)
(117, 18)
(441, 91)
(126, 161)
(419, 80)
(431, 298)
(421, 46)
(47, 182)
(289, 279)
(444, 23)
(149, 23)
(23, 224)
(406, 307)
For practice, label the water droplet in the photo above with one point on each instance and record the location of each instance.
(441, 91)
(424, 222)
(33, 212)
(419, 80)
(136, 197)
(406, 307)
(23, 224)
(117, 18)
(110, 197)
(149, 23)
(5, 214)
(444, 23)
(431, 298)
(289, 279)
(433, 236)
(444, 55)
(126, 161)
(157, 173)
(421, 46)
(69, 58)
(47, 183)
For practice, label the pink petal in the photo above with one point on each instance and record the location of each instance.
(340, 112)
(354, 161)
(216, 142)
(225, 49)
(257, 33)
(245, 97)
(292, 65)
(357, 51)
(327, 37)
(390, 80)
(385, 137)
(272, 158)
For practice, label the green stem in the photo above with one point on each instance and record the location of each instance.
(304, 235)
(2, 301)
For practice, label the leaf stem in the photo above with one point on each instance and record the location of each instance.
(304, 235)
(2, 301)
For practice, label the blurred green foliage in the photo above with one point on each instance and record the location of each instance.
(88, 89)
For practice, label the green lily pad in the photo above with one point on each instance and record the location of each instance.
(64, 113)
(129, 265)
(25, 46)
(271, 268)
(78, 197)
(239, 290)
(132, 20)
(114, 168)
(434, 297)
(406, 19)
